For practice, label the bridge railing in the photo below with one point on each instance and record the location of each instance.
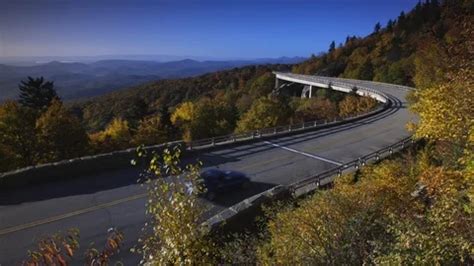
(245, 211)
(347, 84)
(365, 82)
(312, 182)
(276, 131)
(280, 130)
(115, 159)
(235, 214)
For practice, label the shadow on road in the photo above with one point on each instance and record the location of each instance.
(129, 176)
(230, 198)
(69, 187)
(237, 152)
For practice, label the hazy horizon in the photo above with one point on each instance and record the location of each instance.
(39, 60)
(208, 29)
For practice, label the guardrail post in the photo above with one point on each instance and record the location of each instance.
(315, 123)
(190, 146)
(289, 128)
(213, 142)
(253, 134)
(258, 133)
(377, 156)
(274, 131)
(233, 138)
(358, 164)
(303, 125)
(390, 150)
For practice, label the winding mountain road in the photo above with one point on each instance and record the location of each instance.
(97, 202)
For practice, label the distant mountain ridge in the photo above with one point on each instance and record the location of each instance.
(34, 60)
(80, 80)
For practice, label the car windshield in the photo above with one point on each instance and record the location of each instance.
(212, 172)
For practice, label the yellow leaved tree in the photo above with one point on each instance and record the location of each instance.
(117, 135)
(174, 235)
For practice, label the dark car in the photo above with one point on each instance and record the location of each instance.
(217, 181)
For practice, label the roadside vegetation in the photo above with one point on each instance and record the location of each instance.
(40, 128)
(61, 249)
(412, 50)
(415, 208)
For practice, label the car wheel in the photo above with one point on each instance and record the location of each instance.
(211, 195)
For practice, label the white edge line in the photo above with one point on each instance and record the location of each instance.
(304, 153)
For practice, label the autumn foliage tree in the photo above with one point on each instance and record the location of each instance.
(205, 118)
(28, 137)
(416, 209)
(315, 109)
(60, 135)
(447, 110)
(403, 211)
(151, 130)
(61, 249)
(353, 105)
(117, 135)
(17, 136)
(265, 112)
(261, 85)
(175, 235)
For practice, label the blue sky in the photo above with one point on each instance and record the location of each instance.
(221, 29)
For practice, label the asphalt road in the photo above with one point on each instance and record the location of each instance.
(114, 199)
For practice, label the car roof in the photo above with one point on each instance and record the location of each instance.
(212, 171)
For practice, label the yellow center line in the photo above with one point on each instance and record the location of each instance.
(68, 215)
(17, 228)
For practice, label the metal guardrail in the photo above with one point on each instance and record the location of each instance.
(69, 164)
(274, 131)
(314, 181)
(235, 214)
(280, 130)
(365, 82)
(197, 144)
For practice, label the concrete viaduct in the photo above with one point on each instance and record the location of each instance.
(95, 202)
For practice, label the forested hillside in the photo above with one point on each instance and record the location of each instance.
(409, 50)
(137, 102)
(401, 51)
(415, 208)
(76, 80)
(415, 49)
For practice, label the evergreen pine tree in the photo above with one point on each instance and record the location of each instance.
(377, 27)
(332, 46)
(37, 93)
